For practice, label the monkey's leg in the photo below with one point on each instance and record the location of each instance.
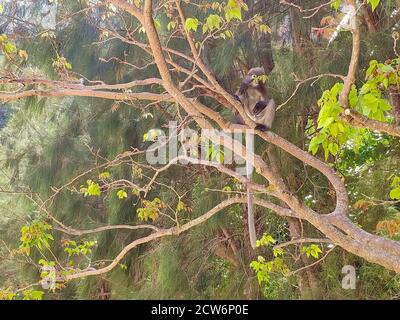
(268, 117)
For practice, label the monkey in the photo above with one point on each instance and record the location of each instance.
(254, 97)
(259, 107)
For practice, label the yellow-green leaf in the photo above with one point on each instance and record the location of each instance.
(191, 24)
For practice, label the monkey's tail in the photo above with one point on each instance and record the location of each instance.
(250, 219)
(250, 213)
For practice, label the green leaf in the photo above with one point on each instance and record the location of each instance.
(395, 182)
(336, 4)
(157, 24)
(93, 189)
(233, 11)
(353, 97)
(395, 194)
(213, 22)
(326, 151)
(171, 25)
(32, 295)
(374, 3)
(123, 266)
(10, 48)
(191, 24)
(371, 101)
(1, 9)
(312, 250)
(180, 206)
(386, 82)
(121, 194)
(313, 148)
(326, 122)
(278, 252)
(220, 157)
(104, 175)
(265, 240)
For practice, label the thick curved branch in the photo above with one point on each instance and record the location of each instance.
(146, 96)
(355, 57)
(74, 85)
(130, 8)
(76, 232)
(356, 119)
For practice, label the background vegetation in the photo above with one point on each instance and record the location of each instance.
(47, 141)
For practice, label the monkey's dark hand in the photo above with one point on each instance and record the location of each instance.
(237, 97)
(261, 127)
(260, 106)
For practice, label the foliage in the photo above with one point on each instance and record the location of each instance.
(263, 268)
(312, 250)
(92, 189)
(7, 294)
(333, 132)
(35, 235)
(72, 248)
(395, 192)
(32, 295)
(151, 209)
(265, 240)
(121, 194)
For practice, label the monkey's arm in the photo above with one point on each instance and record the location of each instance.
(259, 107)
(267, 119)
(243, 88)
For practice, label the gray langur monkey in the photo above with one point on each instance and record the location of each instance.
(259, 107)
(254, 97)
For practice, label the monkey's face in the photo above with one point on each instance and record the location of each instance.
(255, 81)
(255, 77)
(251, 80)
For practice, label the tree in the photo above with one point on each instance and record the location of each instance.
(174, 38)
